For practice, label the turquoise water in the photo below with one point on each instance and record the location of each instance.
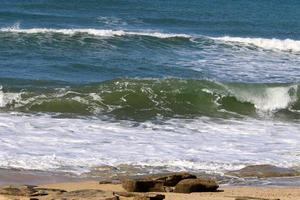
(149, 69)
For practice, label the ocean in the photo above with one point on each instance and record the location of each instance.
(210, 85)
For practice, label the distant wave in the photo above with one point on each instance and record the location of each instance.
(287, 45)
(97, 32)
(270, 44)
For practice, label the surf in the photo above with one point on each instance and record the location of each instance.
(143, 99)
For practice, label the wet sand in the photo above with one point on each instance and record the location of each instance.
(33, 177)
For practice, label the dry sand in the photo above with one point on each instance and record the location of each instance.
(226, 193)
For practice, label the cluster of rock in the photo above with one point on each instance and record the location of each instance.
(28, 191)
(175, 182)
(36, 193)
(141, 188)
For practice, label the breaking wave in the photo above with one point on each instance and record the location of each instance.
(143, 99)
(269, 44)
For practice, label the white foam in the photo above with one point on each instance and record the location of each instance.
(8, 98)
(270, 44)
(269, 98)
(45, 143)
(96, 32)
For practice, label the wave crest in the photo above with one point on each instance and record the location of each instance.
(269, 44)
(146, 99)
(287, 45)
(96, 32)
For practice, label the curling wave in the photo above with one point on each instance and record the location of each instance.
(142, 99)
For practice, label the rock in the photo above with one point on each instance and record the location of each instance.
(20, 190)
(155, 183)
(150, 197)
(263, 171)
(28, 190)
(50, 190)
(88, 194)
(171, 179)
(143, 185)
(126, 194)
(110, 182)
(168, 189)
(196, 185)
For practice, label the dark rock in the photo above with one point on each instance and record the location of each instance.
(88, 194)
(155, 183)
(150, 197)
(110, 182)
(171, 179)
(263, 171)
(105, 182)
(136, 185)
(196, 185)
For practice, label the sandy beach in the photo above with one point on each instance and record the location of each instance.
(225, 193)
(88, 188)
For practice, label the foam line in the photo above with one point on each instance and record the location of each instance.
(96, 32)
(270, 44)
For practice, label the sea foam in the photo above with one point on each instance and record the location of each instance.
(268, 98)
(96, 32)
(8, 97)
(270, 44)
(75, 145)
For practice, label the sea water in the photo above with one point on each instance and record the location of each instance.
(181, 85)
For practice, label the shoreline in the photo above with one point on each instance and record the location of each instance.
(35, 177)
(224, 192)
(261, 176)
(70, 182)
